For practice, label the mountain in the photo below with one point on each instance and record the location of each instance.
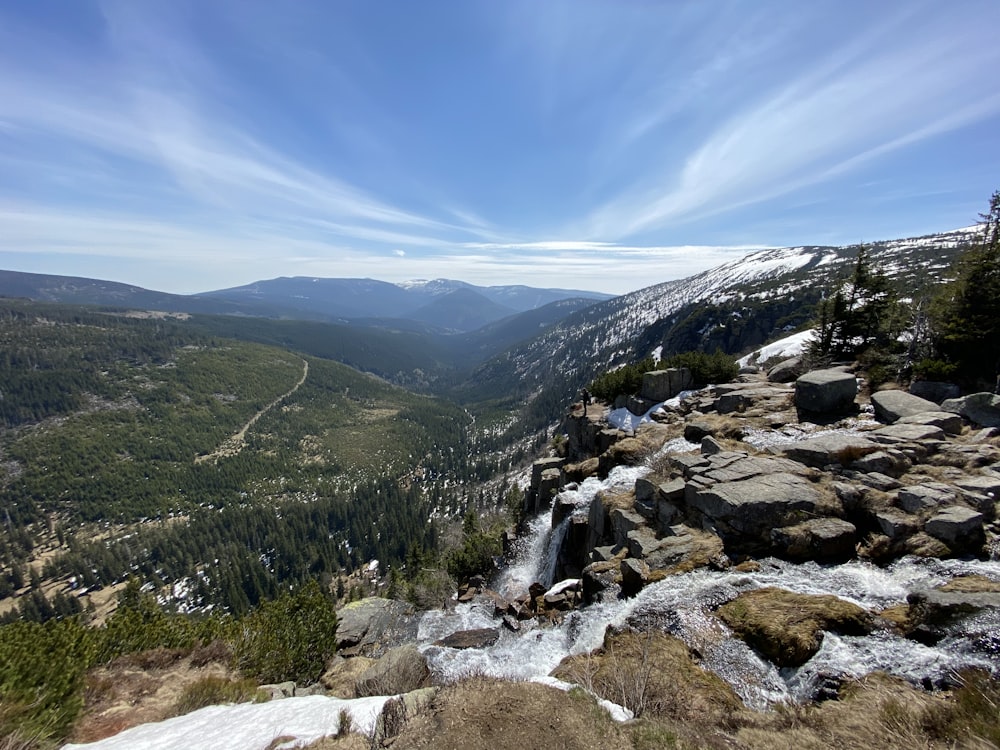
(734, 306)
(461, 310)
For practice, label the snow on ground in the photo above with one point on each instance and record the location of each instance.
(790, 346)
(248, 726)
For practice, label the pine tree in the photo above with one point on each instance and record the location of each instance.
(966, 314)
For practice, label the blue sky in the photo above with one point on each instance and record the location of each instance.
(187, 146)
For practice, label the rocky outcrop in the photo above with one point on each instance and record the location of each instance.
(546, 479)
(826, 392)
(661, 385)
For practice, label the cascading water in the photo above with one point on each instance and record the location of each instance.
(682, 605)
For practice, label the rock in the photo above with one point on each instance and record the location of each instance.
(827, 449)
(934, 390)
(982, 409)
(634, 574)
(897, 525)
(826, 392)
(981, 491)
(913, 433)
(749, 370)
(661, 385)
(891, 405)
(342, 674)
(511, 623)
(882, 462)
(315, 689)
(279, 690)
(959, 527)
(936, 607)
(880, 482)
(788, 628)
(950, 423)
(400, 670)
(601, 581)
(622, 522)
(602, 554)
(710, 446)
(743, 513)
(687, 549)
(787, 371)
(820, 539)
(372, 625)
(920, 498)
(474, 638)
(695, 431)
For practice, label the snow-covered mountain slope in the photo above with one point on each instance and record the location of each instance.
(789, 280)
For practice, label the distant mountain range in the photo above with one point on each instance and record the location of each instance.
(452, 306)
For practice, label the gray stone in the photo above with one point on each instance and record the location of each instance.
(934, 390)
(986, 486)
(896, 525)
(959, 527)
(635, 573)
(474, 638)
(642, 543)
(695, 431)
(661, 385)
(935, 606)
(826, 391)
(914, 433)
(822, 539)
(622, 522)
(752, 507)
(882, 462)
(892, 405)
(919, 498)
(602, 554)
(880, 482)
(315, 689)
(687, 463)
(371, 626)
(787, 371)
(826, 449)
(982, 409)
(945, 420)
(710, 446)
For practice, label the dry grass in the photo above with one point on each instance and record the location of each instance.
(214, 690)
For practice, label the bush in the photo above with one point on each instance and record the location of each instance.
(290, 638)
(934, 369)
(717, 367)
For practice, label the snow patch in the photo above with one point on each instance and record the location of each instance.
(790, 346)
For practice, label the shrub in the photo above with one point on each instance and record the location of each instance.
(934, 369)
(717, 367)
(290, 638)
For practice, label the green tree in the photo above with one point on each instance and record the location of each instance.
(966, 314)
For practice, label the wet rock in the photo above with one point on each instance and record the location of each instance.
(959, 527)
(982, 409)
(932, 608)
(821, 539)
(601, 581)
(634, 575)
(892, 405)
(944, 420)
(826, 392)
(474, 638)
(934, 390)
(788, 628)
(511, 623)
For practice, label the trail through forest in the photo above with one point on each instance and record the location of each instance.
(232, 445)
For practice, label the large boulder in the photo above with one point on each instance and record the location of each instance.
(786, 371)
(661, 385)
(826, 392)
(474, 638)
(934, 390)
(373, 625)
(744, 513)
(822, 539)
(980, 408)
(827, 449)
(891, 406)
(945, 420)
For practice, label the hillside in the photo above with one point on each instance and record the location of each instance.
(736, 306)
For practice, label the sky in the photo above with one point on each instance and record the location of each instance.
(605, 145)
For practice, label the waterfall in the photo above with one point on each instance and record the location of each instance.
(682, 605)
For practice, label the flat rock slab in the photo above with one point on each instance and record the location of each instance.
(891, 406)
(957, 526)
(372, 625)
(474, 638)
(950, 423)
(913, 433)
(826, 449)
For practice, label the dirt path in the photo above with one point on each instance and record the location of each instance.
(232, 445)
